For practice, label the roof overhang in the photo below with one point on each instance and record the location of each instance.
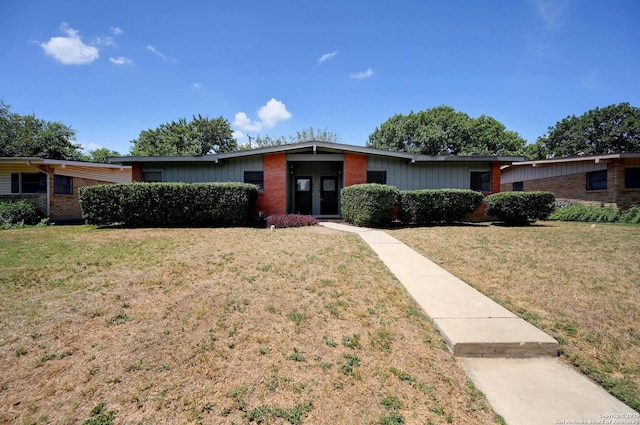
(314, 147)
(33, 161)
(596, 159)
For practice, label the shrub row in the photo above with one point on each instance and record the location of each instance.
(520, 208)
(374, 205)
(438, 206)
(18, 214)
(169, 204)
(585, 213)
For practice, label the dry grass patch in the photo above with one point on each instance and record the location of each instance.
(578, 282)
(216, 326)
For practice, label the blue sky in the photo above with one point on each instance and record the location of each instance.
(111, 69)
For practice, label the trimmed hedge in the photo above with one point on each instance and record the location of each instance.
(169, 204)
(369, 204)
(520, 208)
(438, 206)
(18, 213)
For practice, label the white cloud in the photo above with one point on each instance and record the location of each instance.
(116, 30)
(121, 60)
(551, 12)
(242, 121)
(161, 55)
(364, 74)
(327, 56)
(197, 86)
(105, 41)
(238, 135)
(70, 50)
(271, 114)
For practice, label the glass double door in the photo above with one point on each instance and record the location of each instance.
(328, 195)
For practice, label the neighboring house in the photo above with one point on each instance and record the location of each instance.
(306, 178)
(611, 178)
(52, 185)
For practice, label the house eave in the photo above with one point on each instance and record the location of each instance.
(314, 147)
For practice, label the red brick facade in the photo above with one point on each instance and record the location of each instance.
(355, 169)
(574, 186)
(67, 207)
(274, 198)
(495, 176)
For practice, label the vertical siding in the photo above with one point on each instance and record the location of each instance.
(197, 172)
(426, 175)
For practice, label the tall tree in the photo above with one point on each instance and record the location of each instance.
(99, 155)
(612, 129)
(305, 135)
(200, 136)
(26, 135)
(445, 131)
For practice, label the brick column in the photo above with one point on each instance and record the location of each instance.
(136, 172)
(355, 169)
(274, 198)
(495, 176)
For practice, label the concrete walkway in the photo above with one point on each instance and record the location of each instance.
(514, 363)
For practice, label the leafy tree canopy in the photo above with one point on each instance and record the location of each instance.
(612, 129)
(99, 155)
(26, 135)
(445, 131)
(306, 135)
(200, 136)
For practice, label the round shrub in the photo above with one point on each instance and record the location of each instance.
(520, 208)
(369, 204)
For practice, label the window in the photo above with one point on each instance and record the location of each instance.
(28, 183)
(63, 185)
(255, 177)
(632, 178)
(517, 186)
(151, 176)
(597, 180)
(481, 181)
(379, 177)
(15, 183)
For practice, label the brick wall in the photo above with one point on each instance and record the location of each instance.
(495, 176)
(355, 169)
(67, 207)
(574, 186)
(274, 198)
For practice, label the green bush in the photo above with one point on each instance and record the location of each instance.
(631, 216)
(438, 206)
(18, 213)
(369, 204)
(169, 204)
(520, 208)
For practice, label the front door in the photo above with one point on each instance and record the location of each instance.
(328, 195)
(303, 195)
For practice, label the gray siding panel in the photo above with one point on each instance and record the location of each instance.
(433, 175)
(186, 172)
